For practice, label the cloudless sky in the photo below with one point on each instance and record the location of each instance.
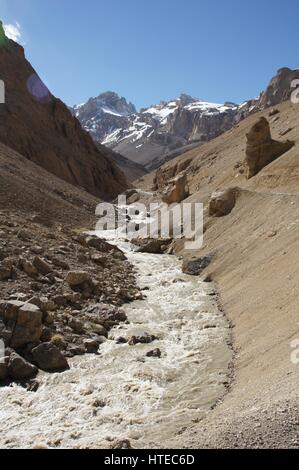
(153, 50)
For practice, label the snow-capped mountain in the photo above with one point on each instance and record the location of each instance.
(147, 136)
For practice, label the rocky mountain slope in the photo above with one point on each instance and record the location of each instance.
(159, 133)
(154, 132)
(40, 127)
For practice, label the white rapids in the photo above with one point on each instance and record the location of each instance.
(122, 393)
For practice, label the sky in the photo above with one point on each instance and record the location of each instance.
(153, 50)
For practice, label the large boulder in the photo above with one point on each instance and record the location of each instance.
(49, 358)
(222, 202)
(20, 323)
(177, 190)
(261, 148)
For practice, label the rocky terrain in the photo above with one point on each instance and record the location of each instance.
(40, 127)
(250, 247)
(162, 132)
(61, 290)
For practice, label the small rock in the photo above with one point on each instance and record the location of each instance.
(24, 235)
(42, 266)
(91, 346)
(154, 353)
(145, 339)
(77, 278)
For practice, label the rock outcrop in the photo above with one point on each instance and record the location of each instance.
(279, 90)
(261, 148)
(177, 190)
(41, 128)
(222, 202)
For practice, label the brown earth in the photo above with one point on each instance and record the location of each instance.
(255, 251)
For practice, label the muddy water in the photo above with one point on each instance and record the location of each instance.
(122, 394)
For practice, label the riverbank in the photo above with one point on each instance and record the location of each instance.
(257, 274)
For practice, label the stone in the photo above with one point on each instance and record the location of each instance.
(42, 266)
(28, 268)
(77, 278)
(144, 339)
(152, 245)
(197, 266)
(43, 303)
(20, 323)
(222, 202)
(261, 149)
(91, 346)
(49, 358)
(19, 369)
(154, 353)
(60, 263)
(28, 327)
(177, 190)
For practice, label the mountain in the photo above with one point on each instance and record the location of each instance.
(41, 128)
(152, 133)
(161, 132)
(279, 90)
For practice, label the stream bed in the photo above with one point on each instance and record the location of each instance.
(121, 394)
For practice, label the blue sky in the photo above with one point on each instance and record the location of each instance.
(152, 50)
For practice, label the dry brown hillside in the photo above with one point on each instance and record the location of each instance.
(39, 126)
(217, 164)
(255, 266)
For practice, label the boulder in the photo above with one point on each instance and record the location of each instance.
(152, 245)
(19, 369)
(20, 323)
(197, 266)
(177, 190)
(222, 202)
(261, 148)
(77, 278)
(49, 358)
